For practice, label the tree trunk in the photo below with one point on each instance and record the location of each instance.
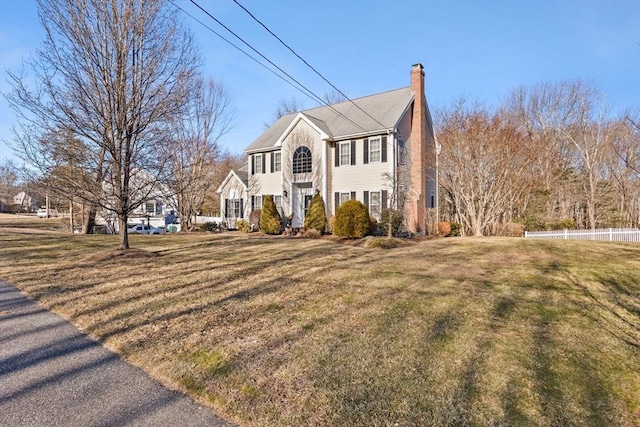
(89, 221)
(124, 234)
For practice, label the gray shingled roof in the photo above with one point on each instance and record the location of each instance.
(243, 173)
(385, 107)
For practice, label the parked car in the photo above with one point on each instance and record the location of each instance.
(42, 212)
(145, 229)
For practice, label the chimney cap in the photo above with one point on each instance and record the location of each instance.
(418, 66)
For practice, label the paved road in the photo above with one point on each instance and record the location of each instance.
(51, 374)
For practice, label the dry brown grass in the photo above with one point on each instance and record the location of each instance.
(273, 331)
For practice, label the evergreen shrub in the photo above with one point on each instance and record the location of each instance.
(270, 221)
(316, 217)
(352, 220)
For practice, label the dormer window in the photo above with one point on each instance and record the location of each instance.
(302, 160)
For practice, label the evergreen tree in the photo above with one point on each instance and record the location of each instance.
(316, 216)
(270, 221)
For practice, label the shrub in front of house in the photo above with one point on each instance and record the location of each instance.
(393, 217)
(444, 228)
(352, 220)
(270, 221)
(243, 225)
(316, 217)
(210, 227)
(455, 229)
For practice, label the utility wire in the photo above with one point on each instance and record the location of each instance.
(305, 62)
(241, 50)
(276, 66)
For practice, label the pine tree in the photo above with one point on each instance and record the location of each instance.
(316, 217)
(270, 221)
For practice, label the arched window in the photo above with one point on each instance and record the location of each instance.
(302, 160)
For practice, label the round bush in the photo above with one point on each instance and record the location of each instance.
(352, 220)
(316, 217)
(270, 221)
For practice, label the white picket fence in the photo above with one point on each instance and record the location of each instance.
(606, 234)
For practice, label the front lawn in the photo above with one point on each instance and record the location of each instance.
(274, 331)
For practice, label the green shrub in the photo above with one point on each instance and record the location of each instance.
(455, 229)
(270, 221)
(316, 217)
(564, 224)
(211, 227)
(393, 216)
(352, 220)
(243, 225)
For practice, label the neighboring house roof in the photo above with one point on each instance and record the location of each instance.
(242, 174)
(345, 119)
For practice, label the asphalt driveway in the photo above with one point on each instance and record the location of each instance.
(51, 374)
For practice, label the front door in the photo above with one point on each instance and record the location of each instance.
(302, 195)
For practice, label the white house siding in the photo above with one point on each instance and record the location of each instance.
(360, 177)
(267, 182)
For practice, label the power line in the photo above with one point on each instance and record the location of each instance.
(305, 62)
(240, 49)
(312, 94)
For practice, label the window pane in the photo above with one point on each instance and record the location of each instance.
(374, 150)
(345, 154)
(345, 197)
(278, 201)
(258, 163)
(375, 203)
(302, 160)
(277, 162)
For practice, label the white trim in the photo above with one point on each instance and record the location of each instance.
(228, 178)
(293, 124)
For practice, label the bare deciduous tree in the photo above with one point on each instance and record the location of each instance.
(194, 151)
(112, 73)
(484, 166)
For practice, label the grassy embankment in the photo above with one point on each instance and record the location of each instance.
(310, 332)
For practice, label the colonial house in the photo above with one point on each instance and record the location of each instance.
(379, 149)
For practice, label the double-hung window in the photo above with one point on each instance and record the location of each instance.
(233, 208)
(375, 203)
(345, 197)
(374, 150)
(277, 162)
(257, 202)
(345, 153)
(257, 163)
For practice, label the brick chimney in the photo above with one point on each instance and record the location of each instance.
(416, 202)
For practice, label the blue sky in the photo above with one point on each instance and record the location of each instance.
(476, 49)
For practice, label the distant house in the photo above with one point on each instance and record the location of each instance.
(23, 200)
(379, 149)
